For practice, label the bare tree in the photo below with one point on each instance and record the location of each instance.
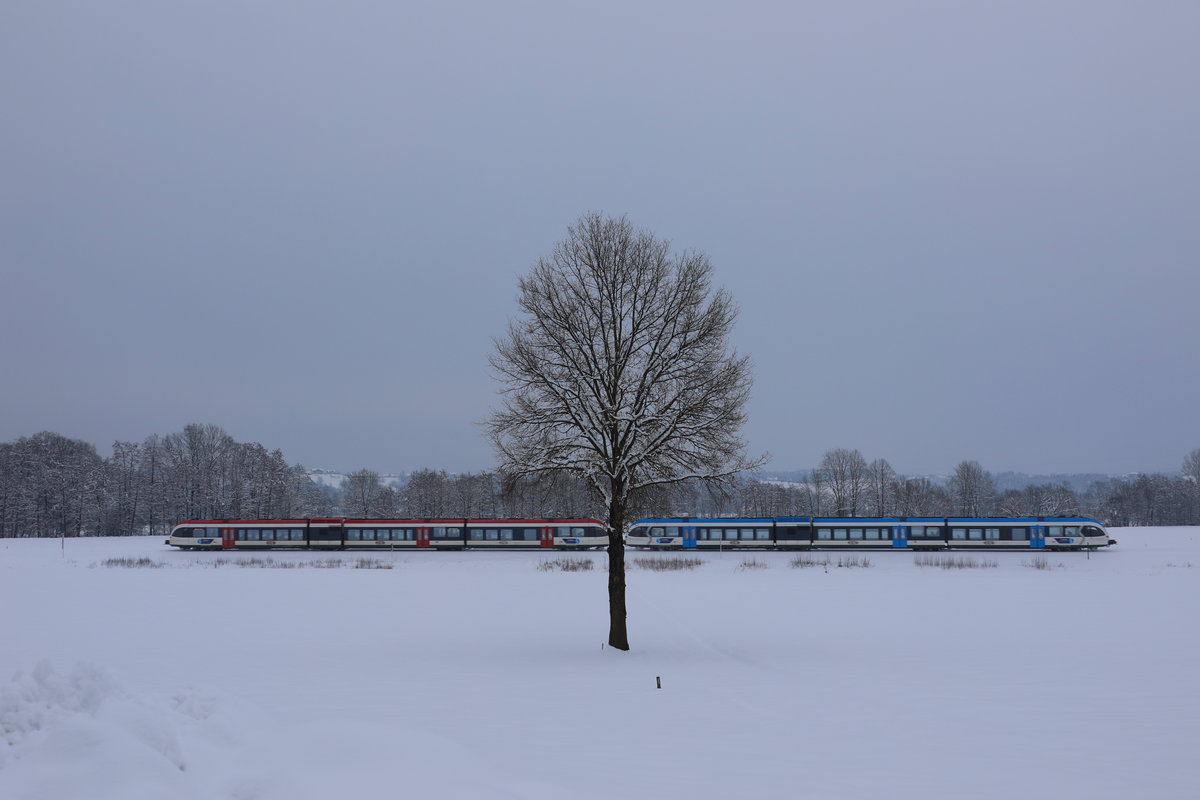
(882, 479)
(1191, 474)
(917, 497)
(845, 473)
(363, 492)
(427, 494)
(973, 489)
(618, 371)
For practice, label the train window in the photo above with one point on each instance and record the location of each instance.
(958, 533)
(856, 533)
(991, 533)
(746, 533)
(531, 535)
(871, 533)
(491, 534)
(731, 533)
(839, 533)
(824, 534)
(1071, 531)
(976, 533)
(916, 532)
(762, 534)
(1056, 530)
(252, 535)
(1018, 534)
(353, 535)
(658, 531)
(1091, 530)
(477, 536)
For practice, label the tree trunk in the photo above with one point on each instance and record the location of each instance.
(618, 636)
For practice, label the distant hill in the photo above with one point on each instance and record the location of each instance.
(334, 480)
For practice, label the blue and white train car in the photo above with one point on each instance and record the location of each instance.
(896, 533)
(700, 533)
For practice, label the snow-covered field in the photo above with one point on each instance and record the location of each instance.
(476, 675)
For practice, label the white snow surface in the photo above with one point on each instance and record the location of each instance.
(475, 675)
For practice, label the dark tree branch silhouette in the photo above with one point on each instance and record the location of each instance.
(618, 371)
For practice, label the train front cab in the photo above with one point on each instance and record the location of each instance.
(580, 535)
(1074, 533)
(656, 534)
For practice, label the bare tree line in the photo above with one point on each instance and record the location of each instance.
(846, 485)
(51, 485)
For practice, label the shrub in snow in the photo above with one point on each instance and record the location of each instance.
(666, 564)
(567, 565)
(131, 562)
(952, 562)
(752, 563)
(1040, 562)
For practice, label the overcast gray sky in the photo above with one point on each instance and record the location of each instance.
(956, 230)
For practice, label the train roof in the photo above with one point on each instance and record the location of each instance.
(856, 520)
(706, 520)
(411, 521)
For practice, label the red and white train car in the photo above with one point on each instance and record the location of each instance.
(389, 534)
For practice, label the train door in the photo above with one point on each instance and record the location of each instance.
(228, 538)
(547, 537)
(422, 537)
(1037, 537)
(689, 535)
(899, 536)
